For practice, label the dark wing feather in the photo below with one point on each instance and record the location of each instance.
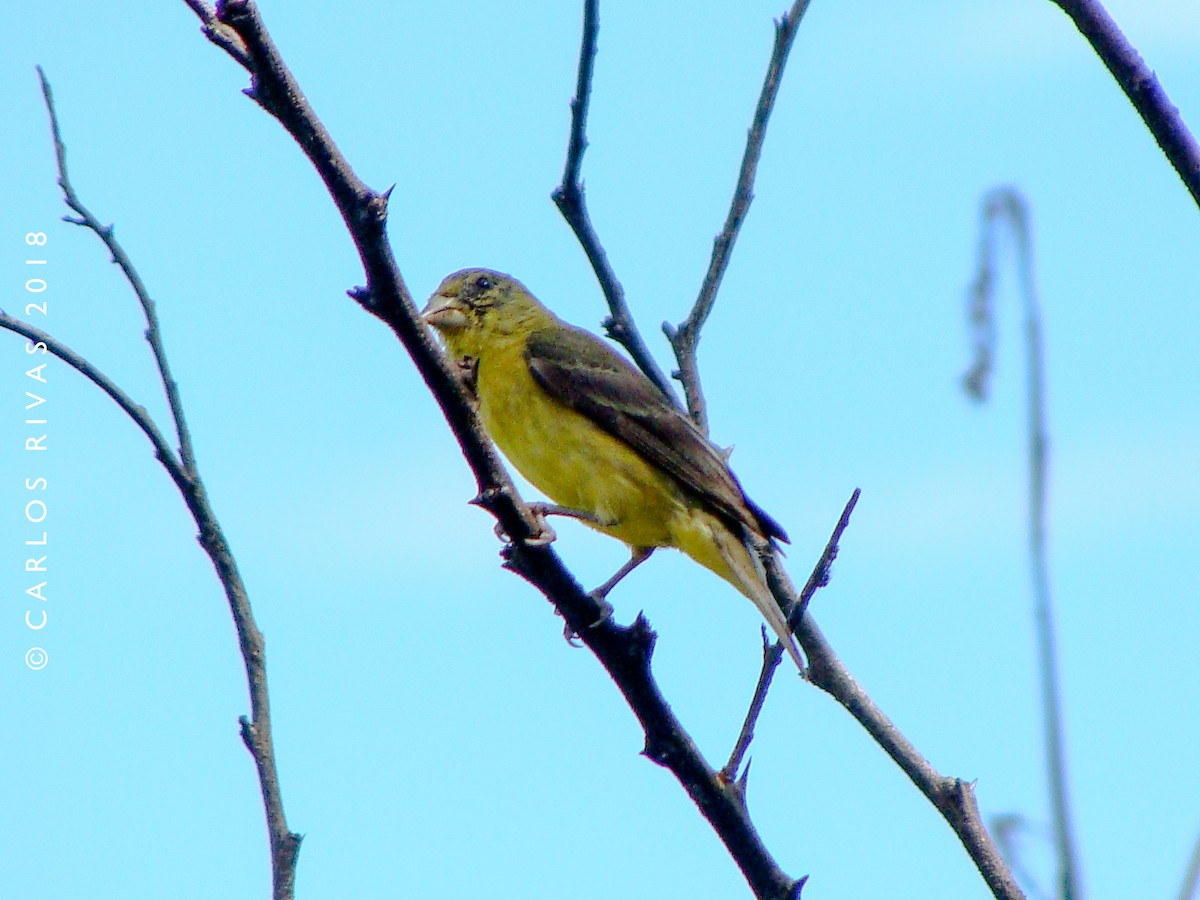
(585, 374)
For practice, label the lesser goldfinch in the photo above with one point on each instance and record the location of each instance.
(595, 434)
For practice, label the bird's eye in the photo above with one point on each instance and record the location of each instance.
(483, 283)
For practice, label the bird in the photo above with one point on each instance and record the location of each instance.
(596, 436)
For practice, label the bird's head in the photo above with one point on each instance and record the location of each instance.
(475, 307)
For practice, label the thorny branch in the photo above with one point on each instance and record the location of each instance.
(952, 797)
(236, 27)
(625, 652)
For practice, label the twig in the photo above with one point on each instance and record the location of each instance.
(219, 33)
(772, 653)
(686, 336)
(571, 203)
(119, 257)
(625, 652)
(1006, 205)
(1141, 86)
(820, 573)
(135, 411)
(953, 797)
(256, 730)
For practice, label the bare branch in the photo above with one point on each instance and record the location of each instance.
(162, 449)
(219, 33)
(119, 257)
(625, 652)
(1141, 86)
(953, 797)
(1006, 206)
(820, 573)
(686, 336)
(772, 654)
(570, 200)
(256, 731)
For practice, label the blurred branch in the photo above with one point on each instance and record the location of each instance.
(1009, 829)
(1005, 206)
(686, 336)
(256, 730)
(1141, 86)
(1191, 878)
(625, 652)
(570, 200)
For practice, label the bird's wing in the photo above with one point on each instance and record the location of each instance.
(587, 375)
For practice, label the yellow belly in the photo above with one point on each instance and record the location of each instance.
(579, 465)
(573, 461)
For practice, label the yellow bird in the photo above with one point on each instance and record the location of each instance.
(598, 438)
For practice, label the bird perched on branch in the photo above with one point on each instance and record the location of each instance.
(599, 438)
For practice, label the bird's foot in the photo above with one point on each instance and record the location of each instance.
(606, 611)
(541, 510)
(544, 535)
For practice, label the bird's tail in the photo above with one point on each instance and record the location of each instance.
(738, 563)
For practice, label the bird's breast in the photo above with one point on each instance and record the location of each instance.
(571, 459)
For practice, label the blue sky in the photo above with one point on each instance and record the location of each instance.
(435, 734)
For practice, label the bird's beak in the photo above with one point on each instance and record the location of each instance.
(444, 313)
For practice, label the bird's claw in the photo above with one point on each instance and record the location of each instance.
(545, 534)
(571, 636)
(606, 610)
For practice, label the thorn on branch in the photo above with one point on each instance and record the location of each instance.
(644, 637)
(486, 499)
(377, 206)
(362, 295)
(248, 732)
(744, 781)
